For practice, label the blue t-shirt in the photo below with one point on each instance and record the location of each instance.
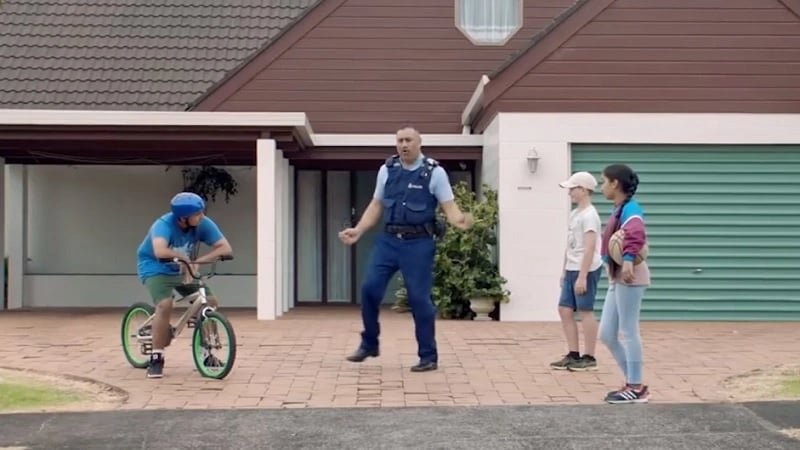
(180, 241)
(439, 185)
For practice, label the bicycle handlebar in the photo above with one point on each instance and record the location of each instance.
(189, 268)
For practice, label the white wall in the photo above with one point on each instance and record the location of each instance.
(489, 172)
(86, 222)
(534, 209)
(532, 218)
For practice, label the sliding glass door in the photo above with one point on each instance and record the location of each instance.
(339, 256)
(328, 201)
(308, 235)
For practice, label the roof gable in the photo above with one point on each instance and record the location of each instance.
(128, 54)
(655, 56)
(262, 58)
(364, 66)
(542, 45)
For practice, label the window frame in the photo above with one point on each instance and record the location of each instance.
(460, 28)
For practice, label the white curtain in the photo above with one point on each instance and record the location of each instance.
(489, 21)
(309, 235)
(339, 273)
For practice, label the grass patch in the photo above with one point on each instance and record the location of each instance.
(18, 395)
(792, 387)
(774, 383)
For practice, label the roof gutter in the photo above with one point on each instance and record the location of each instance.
(474, 106)
(298, 121)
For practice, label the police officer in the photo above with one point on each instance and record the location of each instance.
(409, 187)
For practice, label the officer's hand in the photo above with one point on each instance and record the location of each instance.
(466, 221)
(349, 236)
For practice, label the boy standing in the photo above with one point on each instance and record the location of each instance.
(580, 275)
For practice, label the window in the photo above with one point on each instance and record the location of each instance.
(489, 22)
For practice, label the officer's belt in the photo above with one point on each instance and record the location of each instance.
(407, 231)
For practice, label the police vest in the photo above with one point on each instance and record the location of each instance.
(407, 198)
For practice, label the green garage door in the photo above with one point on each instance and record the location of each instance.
(723, 223)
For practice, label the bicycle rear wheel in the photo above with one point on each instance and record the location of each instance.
(137, 346)
(214, 346)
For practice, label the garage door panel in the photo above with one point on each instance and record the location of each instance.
(689, 305)
(723, 224)
(703, 242)
(725, 199)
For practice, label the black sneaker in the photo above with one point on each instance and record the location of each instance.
(156, 367)
(213, 361)
(583, 364)
(563, 363)
(629, 395)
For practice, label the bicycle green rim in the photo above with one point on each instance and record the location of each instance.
(197, 348)
(126, 346)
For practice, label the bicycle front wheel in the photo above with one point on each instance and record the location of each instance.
(214, 346)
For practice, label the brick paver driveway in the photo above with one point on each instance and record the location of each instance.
(298, 361)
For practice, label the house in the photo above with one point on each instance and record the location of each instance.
(300, 101)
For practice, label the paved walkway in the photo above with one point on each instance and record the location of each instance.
(298, 361)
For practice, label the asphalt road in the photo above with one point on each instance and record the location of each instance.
(654, 426)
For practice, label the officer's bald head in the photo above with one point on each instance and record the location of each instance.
(408, 143)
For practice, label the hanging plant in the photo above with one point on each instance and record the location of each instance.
(208, 182)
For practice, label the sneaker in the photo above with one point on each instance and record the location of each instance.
(615, 391)
(212, 361)
(629, 395)
(156, 367)
(583, 364)
(563, 363)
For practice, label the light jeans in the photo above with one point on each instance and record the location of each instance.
(621, 317)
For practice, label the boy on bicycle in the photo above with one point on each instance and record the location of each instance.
(176, 234)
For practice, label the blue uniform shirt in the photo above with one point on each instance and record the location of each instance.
(439, 184)
(180, 241)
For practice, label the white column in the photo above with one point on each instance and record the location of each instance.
(279, 261)
(3, 228)
(292, 237)
(265, 223)
(16, 231)
(286, 232)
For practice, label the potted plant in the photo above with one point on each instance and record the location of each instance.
(208, 181)
(467, 280)
(401, 294)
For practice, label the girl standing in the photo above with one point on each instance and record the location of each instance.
(626, 283)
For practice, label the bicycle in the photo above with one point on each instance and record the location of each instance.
(198, 311)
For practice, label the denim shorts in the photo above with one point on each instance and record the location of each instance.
(583, 302)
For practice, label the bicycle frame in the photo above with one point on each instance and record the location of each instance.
(197, 302)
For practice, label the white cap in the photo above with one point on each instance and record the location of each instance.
(580, 179)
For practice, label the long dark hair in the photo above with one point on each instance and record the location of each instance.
(628, 183)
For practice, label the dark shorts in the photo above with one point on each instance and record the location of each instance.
(583, 302)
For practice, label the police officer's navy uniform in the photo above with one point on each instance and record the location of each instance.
(406, 244)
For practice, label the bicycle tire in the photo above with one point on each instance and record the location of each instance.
(197, 346)
(140, 306)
